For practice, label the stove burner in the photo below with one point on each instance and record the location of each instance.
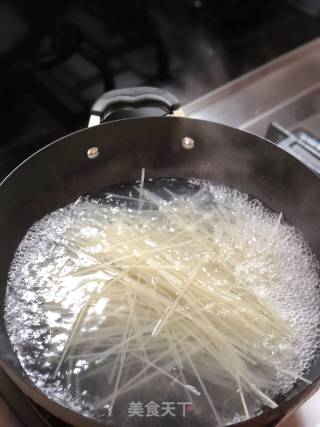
(300, 143)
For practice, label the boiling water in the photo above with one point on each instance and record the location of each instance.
(78, 339)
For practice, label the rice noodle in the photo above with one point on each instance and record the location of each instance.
(179, 282)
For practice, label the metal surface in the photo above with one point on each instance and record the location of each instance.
(23, 411)
(188, 143)
(93, 153)
(301, 144)
(286, 89)
(94, 120)
(222, 154)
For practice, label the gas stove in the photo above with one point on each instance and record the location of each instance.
(279, 101)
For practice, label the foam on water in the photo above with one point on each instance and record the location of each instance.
(44, 295)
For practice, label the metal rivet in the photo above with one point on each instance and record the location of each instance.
(93, 153)
(188, 143)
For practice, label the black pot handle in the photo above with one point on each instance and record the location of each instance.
(121, 103)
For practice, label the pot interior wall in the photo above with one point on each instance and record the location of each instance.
(60, 173)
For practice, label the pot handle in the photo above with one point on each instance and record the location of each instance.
(130, 102)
